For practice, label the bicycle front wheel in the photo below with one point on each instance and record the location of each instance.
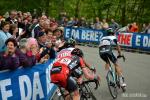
(112, 86)
(86, 93)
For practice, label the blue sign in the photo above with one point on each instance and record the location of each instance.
(84, 34)
(27, 83)
(141, 41)
(135, 40)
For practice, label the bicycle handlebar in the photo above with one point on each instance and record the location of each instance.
(121, 56)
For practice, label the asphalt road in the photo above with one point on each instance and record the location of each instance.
(136, 70)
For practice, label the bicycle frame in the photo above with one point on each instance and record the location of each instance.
(113, 73)
(116, 82)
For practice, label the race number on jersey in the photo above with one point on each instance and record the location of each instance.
(65, 61)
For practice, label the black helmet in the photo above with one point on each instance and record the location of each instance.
(70, 43)
(110, 31)
(77, 52)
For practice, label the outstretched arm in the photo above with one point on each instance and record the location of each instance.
(119, 49)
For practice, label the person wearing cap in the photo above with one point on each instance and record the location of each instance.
(59, 36)
(58, 33)
(47, 51)
(42, 39)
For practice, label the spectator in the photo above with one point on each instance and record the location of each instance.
(91, 25)
(25, 16)
(42, 39)
(97, 24)
(12, 18)
(148, 29)
(133, 28)
(63, 16)
(54, 44)
(46, 25)
(14, 30)
(76, 22)
(33, 48)
(20, 14)
(4, 34)
(59, 36)
(34, 24)
(70, 23)
(38, 28)
(28, 57)
(58, 33)
(44, 17)
(34, 13)
(46, 48)
(82, 22)
(23, 45)
(53, 26)
(49, 34)
(1, 19)
(143, 30)
(105, 24)
(54, 39)
(47, 53)
(65, 22)
(114, 25)
(8, 58)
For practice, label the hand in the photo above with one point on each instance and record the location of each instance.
(97, 77)
(80, 80)
(22, 33)
(93, 69)
(34, 52)
(41, 50)
(10, 52)
(42, 60)
(97, 81)
(121, 56)
(61, 44)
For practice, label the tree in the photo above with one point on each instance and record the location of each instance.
(124, 11)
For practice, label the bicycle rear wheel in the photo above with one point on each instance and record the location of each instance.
(112, 86)
(86, 93)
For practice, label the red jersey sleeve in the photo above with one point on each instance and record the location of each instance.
(82, 62)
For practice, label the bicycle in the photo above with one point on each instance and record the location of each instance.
(84, 90)
(113, 80)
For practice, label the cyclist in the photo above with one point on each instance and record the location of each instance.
(64, 69)
(106, 53)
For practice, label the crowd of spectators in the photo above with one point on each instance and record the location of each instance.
(27, 39)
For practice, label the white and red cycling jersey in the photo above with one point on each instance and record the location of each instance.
(64, 53)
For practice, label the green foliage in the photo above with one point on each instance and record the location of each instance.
(124, 11)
